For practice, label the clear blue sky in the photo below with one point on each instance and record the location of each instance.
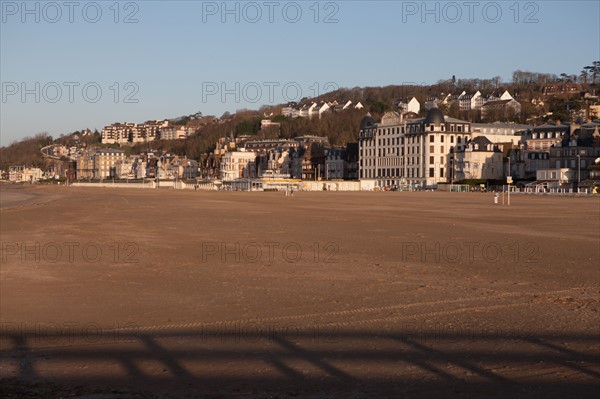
(178, 55)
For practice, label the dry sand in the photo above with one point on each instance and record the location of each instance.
(122, 293)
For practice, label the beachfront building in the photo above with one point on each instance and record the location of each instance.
(341, 162)
(415, 152)
(24, 174)
(382, 144)
(15, 173)
(180, 168)
(105, 162)
(578, 151)
(124, 169)
(274, 162)
(560, 178)
(237, 165)
(99, 164)
(85, 165)
(480, 159)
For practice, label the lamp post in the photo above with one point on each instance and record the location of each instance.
(451, 172)
(508, 195)
(578, 171)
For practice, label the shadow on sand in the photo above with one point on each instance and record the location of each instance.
(210, 362)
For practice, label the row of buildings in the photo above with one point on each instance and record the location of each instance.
(109, 163)
(309, 110)
(303, 158)
(399, 150)
(437, 149)
(488, 105)
(24, 174)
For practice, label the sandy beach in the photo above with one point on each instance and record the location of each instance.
(15, 195)
(133, 293)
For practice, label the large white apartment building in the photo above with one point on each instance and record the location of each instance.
(410, 152)
(237, 164)
(121, 133)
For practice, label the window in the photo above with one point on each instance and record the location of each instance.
(442, 138)
(431, 148)
(431, 172)
(431, 139)
(451, 139)
(431, 160)
(441, 172)
(441, 159)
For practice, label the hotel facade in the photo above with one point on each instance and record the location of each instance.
(416, 152)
